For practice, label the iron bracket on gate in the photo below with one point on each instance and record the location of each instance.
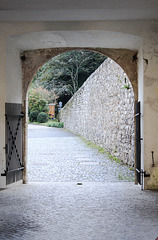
(14, 170)
(143, 175)
(15, 115)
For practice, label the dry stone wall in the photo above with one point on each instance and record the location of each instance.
(102, 111)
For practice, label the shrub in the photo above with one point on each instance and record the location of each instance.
(42, 105)
(33, 116)
(37, 103)
(56, 124)
(42, 117)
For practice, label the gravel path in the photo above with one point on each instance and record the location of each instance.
(56, 155)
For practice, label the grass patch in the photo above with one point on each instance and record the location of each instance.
(113, 158)
(120, 177)
(55, 124)
(50, 123)
(117, 160)
(100, 149)
(92, 145)
(131, 169)
(123, 177)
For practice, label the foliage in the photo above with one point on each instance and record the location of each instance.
(35, 88)
(56, 124)
(33, 116)
(127, 86)
(66, 72)
(120, 177)
(33, 98)
(42, 117)
(37, 101)
(42, 105)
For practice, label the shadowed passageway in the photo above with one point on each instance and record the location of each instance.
(66, 211)
(53, 207)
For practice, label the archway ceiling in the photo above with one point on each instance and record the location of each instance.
(80, 39)
(74, 10)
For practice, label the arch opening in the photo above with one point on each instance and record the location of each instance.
(122, 59)
(32, 60)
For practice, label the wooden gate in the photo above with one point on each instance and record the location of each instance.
(14, 163)
(138, 143)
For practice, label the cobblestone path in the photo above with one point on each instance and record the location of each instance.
(67, 211)
(54, 207)
(59, 156)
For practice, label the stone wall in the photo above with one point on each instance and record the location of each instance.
(102, 111)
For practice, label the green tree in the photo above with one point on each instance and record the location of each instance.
(66, 72)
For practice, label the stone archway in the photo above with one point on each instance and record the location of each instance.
(32, 60)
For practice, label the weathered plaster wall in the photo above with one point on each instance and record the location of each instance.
(151, 108)
(102, 111)
(2, 107)
(14, 75)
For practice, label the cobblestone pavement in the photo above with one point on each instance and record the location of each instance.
(56, 155)
(64, 210)
(67, 211)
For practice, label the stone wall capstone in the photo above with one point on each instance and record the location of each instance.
(102, 111)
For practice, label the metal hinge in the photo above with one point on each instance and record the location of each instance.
(146, 174)
(6, 148)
